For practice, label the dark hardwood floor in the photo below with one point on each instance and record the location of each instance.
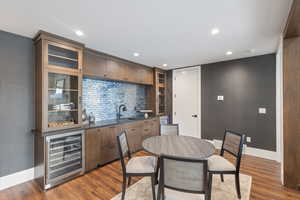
(105, 182)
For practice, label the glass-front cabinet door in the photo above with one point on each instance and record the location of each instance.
(64, 100)
(63, 77)
(62, 56)
(58, 74)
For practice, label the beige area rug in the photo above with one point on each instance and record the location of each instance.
(220, 191)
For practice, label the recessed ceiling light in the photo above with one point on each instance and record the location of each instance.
(228, 53)
(215, 31)
(79, 33)
(165, 65)
(136, 54)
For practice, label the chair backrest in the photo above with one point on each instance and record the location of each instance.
(123, 148)
(169, 129)
(186, 175)
(164, 119)
(233, 143)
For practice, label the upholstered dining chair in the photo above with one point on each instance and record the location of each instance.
(233, 144)
(169, 129)
(136, 166)
(184, 175)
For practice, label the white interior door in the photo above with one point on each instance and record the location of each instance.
(186, 101)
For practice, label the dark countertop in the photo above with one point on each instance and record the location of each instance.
(97, 124)
(104, 123)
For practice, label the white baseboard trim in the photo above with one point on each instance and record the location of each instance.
(271, 155)
(262, 153)
(16, 178)
(28, 174)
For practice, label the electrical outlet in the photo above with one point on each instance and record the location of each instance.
(249, 139)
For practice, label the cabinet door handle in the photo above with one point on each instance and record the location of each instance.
(195, 116)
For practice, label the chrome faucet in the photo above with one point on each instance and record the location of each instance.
(122, 108)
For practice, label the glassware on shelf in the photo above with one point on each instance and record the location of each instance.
(63, 98)
(62, 57)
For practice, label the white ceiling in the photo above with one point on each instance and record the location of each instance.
(175, 32)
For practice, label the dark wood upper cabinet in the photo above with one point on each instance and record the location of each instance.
(116, 70)
(95, 65)
(133, 73)
(99, 65)
(146, 75)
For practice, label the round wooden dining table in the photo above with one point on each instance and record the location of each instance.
(179, 146)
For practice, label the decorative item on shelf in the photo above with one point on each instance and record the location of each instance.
(146, 113)
(60, 83)
(84, 117)
(59, 124)
(67, 106)
(61, 107)
(92, 118)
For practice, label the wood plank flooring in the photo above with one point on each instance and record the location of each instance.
(105, 182)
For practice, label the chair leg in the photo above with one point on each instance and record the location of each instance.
(153, 186)
(222, 177)
(129, 181)
(210, 182)
(237, 185)
(159, 191)
(157, 170)
(207, 197)
(123, 187)
(163, 193)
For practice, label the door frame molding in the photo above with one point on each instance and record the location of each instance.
(194, 68)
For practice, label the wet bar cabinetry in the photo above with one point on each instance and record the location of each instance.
(58, 83)
(156, 95)
(63, 149)
(101, 143)
(59, 143)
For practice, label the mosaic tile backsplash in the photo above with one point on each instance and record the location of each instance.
(104, 97)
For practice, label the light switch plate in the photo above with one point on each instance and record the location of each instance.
(220, 98)
(249, 139)
(262, 110)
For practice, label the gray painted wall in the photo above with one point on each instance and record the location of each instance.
(246, 84)
(16, 103)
